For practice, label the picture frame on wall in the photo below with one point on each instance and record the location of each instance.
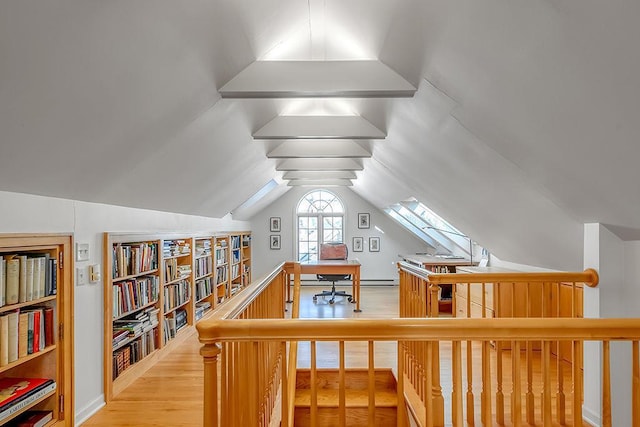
(363, 220)
(374, 244)
(274, 224)
(358, 243)
(274, 241)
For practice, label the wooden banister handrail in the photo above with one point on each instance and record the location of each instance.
(427, 329)
(588, 276)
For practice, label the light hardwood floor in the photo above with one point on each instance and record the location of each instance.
(170, 393)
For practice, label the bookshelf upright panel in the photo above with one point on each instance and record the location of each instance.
(236, 263)
(36, 325)
(246, 258)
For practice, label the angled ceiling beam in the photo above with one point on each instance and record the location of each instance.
(317, 79)
(319, 127)
(318, 149)
(319, 175)
(319, 165)
(320, 182)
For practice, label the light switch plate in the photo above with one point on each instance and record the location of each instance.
(81, 276)
(82, 252)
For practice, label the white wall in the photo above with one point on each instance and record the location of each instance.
(375, 265)
(87, 221)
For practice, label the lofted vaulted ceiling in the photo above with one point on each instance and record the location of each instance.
(524, 125)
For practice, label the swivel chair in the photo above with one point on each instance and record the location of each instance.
(335, 251)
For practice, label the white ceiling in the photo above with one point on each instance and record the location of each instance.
(525, 124)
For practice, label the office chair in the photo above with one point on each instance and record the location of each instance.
(337, 251)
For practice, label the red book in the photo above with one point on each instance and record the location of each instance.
(12, 390)
(36, 330)
(35, 419)
(48, 327)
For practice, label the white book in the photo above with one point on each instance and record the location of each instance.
(4, 340)
(3, 281)
(36, 279)
(13, 336)
(43, 276)
(30, 279)
(22, 294)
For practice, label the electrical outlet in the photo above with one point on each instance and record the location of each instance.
(81, 276)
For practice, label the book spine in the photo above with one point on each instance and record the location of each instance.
(13, 336)
(22, 292)
(30, 262)
(27, 401)
(13, 280)
(4, 340)
(23, 332)
(3, 280)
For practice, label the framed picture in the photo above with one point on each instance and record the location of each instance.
(274, 224)
(357, 244)
(374, 244)
(274, 241)
(363, 220)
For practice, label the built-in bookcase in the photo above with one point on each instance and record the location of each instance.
(246, 258)
(36, 324)
(156, 288)
(236, 263)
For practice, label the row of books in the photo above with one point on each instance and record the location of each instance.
(221, 275)
(134, 351)
(235, 242)
(176, 294)
(201, 308)
(134, 325)
(203, 247)
(135, 258)
(172, 324)
(132, 294)
(27, 277)
(18, 393)
(235, 271)
(174, 271)
(175, 248)
(235, 256)
(203, 266)
(204, 288)
(221, 256)
(24, 332)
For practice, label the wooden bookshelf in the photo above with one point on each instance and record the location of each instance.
(235, 255)
(245, 242)
(52, 358)
(174, 278)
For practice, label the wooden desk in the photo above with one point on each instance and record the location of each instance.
(351, 267)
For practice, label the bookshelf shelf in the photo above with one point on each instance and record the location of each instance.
(13, 307)
(192, 273)
(35, 272)
(28, 358)
(128, 313)
(134, 276)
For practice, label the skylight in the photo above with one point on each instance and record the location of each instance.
(431, 228)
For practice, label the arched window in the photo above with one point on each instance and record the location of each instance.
(320, 220)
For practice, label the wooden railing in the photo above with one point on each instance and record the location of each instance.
(250, 372)
(488, 295)
(471, 367)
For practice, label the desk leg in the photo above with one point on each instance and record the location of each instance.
(356, 290)
(288, 285)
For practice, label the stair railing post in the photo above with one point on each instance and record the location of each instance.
(211, 355)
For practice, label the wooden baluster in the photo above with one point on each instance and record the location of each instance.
(428, 386)
(516, 396)
(499, 377)
(224, 391)
(577, 385)
(402, 408)
(342, 409)
(546, 383)
(372, 387)
(456, 393)
(285, 388)
(530, 398)
(487, 414)
(470, 402)
(560, 397)
(434, 347)
(606, 385)
(252, 382)
(314, 386)
(635, 386)
(210, 353)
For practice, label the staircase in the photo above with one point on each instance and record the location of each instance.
(356, 397)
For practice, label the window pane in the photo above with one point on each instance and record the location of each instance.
(303, 221)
